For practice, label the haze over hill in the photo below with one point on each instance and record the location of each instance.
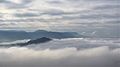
(13, 35)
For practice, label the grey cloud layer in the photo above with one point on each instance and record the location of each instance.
(97, 53)
(60, 14)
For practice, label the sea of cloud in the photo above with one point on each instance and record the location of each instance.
(90, 17)
(64, 53)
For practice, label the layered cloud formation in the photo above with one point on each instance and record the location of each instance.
(50, 14)
(91, 53)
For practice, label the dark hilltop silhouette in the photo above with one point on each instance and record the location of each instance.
(35, 41)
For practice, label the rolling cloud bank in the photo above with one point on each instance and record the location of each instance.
(74, 52)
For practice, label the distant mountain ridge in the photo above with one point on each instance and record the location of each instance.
(12, 35)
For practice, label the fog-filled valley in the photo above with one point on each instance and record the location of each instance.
(69, 52)
(59, 33)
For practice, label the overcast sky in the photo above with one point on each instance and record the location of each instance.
(62, 15)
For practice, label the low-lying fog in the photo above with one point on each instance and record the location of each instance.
(75, 52)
